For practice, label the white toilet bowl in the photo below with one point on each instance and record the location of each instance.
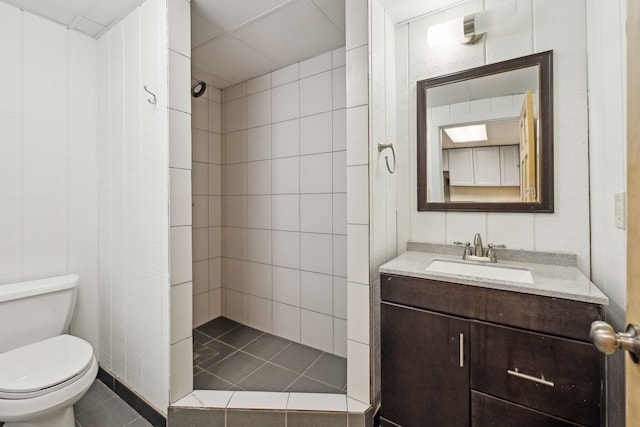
(39, 383)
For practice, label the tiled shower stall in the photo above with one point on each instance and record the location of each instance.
(283, 205)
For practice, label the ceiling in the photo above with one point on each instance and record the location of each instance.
(233, 41)
(91, 17)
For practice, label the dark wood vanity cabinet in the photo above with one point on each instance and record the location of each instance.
(457, 355)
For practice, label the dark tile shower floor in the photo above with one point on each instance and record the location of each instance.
(230, 356)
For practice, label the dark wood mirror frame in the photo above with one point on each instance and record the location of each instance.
(545, 201)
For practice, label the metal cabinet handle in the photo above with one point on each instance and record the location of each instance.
(462, 350)
(607, 341)
(541, 380)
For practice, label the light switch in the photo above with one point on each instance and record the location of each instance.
(621, 210)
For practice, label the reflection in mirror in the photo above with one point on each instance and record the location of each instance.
(485, 138)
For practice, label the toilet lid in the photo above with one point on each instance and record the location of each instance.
(43, 364)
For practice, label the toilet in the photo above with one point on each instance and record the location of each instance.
(43, 371)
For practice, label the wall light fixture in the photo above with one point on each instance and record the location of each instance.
(470, 28)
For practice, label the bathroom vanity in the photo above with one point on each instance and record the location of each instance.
(463, 350)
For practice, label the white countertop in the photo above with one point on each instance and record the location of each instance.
(549, 280)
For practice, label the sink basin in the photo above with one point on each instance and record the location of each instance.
(482, 271)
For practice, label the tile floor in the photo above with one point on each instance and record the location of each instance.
(230, 356)
(101, 407)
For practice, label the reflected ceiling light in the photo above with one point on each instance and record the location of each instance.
(472, 133)
(470, 28)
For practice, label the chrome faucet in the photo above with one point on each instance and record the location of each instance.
(478, 252)
(477, 245)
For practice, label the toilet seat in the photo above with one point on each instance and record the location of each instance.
(43, 367)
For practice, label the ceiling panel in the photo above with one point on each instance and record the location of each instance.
(232, 14)
(50, 10)
(230, 60)
(293, 33)
(334, 11)
(105, 11)
(202, 31)
(88, 27)
(77, 6)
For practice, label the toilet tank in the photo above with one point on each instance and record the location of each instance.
(34, 310)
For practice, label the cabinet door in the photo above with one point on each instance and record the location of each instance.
(425, 368)
(461, 166)
(510, 165)
(486, 166)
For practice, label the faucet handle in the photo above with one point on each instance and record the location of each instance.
(467, 249)
(491, 254)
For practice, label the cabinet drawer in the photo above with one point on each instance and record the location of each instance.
(557, 376)
(488, 411)
(554, 316)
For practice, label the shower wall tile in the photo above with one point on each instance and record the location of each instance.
(285, 178)
(181, 264)
(200, 277)
(316, 330)
(259, 109)
(260, 313)
(340, 172)
(285, 102)
(316, 173)
(285, 212)
(207, 210)
(315, 65)
(338, 57)
(286, 321)
(316, 292)
(285, 138)
(180, 197)
(340, 297)
(200, 210)
(339, 88)
(286, 285)
(259, 143)
(259, 278)
(290, 236)
(316, 252)
(339, 130)
(259, 211)
(179, 132)
(316, 94)
(179, 82)
(235, 147)
(199, 146)
(179, 34)
(181, 369)
(316, 213)
(181, 317)
(285, 75)
(316, 134)
(259, 84)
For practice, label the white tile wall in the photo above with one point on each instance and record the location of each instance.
(208, 214)
(292, 168)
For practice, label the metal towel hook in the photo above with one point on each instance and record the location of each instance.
(152, 94)
(386, 158)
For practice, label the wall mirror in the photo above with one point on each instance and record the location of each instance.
(485, 138)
